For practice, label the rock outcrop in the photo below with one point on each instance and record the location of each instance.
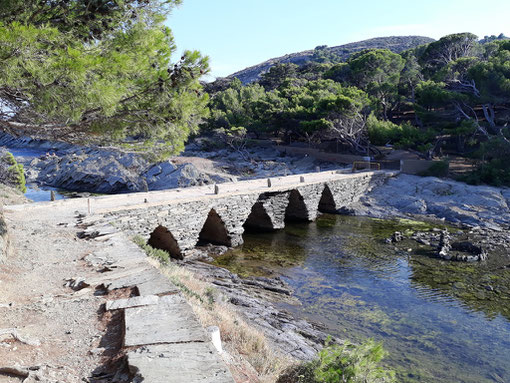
(166, 175)
(252, 298)
(89, 169)
(452, 201)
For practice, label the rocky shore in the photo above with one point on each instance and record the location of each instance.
(111, 170)
(476, 218)
(253, 296)
(444, 199)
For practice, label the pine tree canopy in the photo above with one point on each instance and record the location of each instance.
(92, 67)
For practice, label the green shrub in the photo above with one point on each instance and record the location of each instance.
(345, 363)
(494, 173)
(158, 254)
(400, 136)
(437, 169)
(495, 167)
(16, 174)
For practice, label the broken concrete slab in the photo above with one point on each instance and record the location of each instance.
(157, 286)
(170, 321)
(177, 363)
(132, 302)
(112, 253)
(133, 279)
(119, 273)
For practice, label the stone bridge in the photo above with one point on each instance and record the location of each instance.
(177, 220)
(161, 337)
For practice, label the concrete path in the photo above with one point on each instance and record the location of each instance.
(166, 342)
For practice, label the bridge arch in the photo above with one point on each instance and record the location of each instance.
(214, 231)
(258, 219)
(327, 202)
(161, 238)
(296, 209)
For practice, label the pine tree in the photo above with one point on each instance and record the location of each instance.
(118, 80)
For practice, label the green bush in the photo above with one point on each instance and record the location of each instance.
(16, 174)
(400, 136)
(494, 173)
(158, 254)
(345, 363)
(437, 169)
(495, 167)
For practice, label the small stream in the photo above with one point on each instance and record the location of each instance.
(440, 321)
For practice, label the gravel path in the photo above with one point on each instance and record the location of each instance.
(44, 325)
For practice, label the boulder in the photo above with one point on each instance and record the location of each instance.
(166, 175)
(91, 170)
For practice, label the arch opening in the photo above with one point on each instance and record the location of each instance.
(258, 220)
(327, 202)
(214, 231)
(161, 238)
(296, 210)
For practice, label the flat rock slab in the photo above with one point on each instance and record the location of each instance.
(132, 302)
(108, 277)
(170, 321)
(157, 286)
(179, 363)
(134, 279)
(119, 248)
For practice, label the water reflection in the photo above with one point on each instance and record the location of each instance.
(441, 321)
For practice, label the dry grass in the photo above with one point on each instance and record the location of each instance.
(11, 196)
(242, 341)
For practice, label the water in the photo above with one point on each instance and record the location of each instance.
(34, 192)
(440, 321)
(38, 194)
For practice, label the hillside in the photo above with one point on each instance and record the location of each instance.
(396, 44)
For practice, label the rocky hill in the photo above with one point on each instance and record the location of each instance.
(396, 44)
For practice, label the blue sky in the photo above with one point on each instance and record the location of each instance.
(236, 34)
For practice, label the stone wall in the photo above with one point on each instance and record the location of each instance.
(180, 226)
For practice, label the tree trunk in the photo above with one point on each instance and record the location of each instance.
(488, 112)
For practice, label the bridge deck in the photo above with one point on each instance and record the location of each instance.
(102, 204)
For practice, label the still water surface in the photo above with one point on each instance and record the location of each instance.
(34, 192)
(440, 321)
